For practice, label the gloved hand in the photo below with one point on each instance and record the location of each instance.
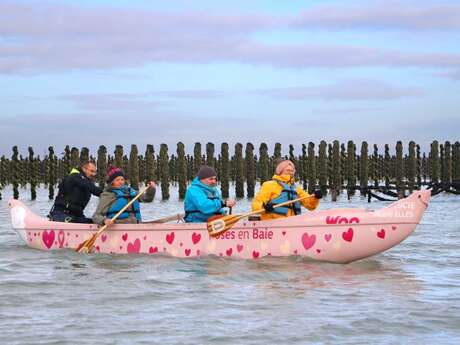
(318, 194)
(268, 207)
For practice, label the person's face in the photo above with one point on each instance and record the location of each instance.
(118, 182)
(90, 171)
(289, 170)
(210, 181)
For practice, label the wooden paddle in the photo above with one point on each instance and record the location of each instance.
(87, 246)
(223, 224)
(177, 217)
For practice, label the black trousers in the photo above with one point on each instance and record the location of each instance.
(61, 216)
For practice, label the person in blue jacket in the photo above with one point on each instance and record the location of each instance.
(203, 199)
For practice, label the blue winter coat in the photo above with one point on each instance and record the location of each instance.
(201, 202)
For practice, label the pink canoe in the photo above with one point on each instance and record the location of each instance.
(336, 235)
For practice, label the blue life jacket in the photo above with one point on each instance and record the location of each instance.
(124, 195)
(288, 193)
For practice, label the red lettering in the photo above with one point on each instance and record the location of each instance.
(332, 220)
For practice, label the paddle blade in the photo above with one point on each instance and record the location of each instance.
(87, 245)
(221, 225)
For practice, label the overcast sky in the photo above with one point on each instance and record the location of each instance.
(87, 73)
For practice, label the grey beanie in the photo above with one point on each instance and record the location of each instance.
(205, 172)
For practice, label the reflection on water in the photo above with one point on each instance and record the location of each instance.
(409, 294)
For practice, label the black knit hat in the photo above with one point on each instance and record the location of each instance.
(205, 172)
(113, 173)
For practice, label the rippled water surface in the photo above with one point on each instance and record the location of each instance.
(409, 294)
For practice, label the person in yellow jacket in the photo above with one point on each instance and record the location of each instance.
(282, 188)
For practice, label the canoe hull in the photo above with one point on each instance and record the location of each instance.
(336, 235)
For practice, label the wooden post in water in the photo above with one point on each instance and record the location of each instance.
(311, 167)
(456, 162)
(118, 156)
(441, 163)
(173, 169)
(364, 169)
(304, 168)
(375, 166)
(66, 161)
(197, 156)
(181, 170)
(3, 174)
(322, 167)
(210, 160)
(32, 175)
(239, 171)
(264, 173)
(418, 166)
(336, 171)
(164, 171)
(277, 152)
(133, 171)
(434, 162)
(101, 165)
(250, 170)
(351, 169)
(399, 170)
(74, 158)
(411, 167)
(15, 172)
(150, 171)
(447, 163)
(343, 166)
(84, 155)
(387, 166)
(142, 173)
(51, 172)
(225, 170)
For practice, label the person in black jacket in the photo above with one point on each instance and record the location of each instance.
(74, 193)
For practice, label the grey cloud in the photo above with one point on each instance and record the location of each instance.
(349, 90)
(409, 15)
(47, 37)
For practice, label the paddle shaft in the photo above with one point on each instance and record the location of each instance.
(178, 217)
(231, 220)
(123, 209)
(262, 210)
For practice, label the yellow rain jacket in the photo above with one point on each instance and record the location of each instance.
(272, 189)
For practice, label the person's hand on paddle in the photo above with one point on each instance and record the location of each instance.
(152, 185)
(268, 207)
(108, 221)
(318, 194)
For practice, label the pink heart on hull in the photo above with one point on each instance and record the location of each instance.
(327, 237)
(393, 228)
(104, 237)
(124, 237)
(308, 241)
(239, 248)
(229, 252)
(196, 238)
(255, 254)
(381, 234)
(284, 233)
(48, 238)
(170, 238)
(187, 252)
(153, 250)
(348, 235)
(61, 238)
(135, 247)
